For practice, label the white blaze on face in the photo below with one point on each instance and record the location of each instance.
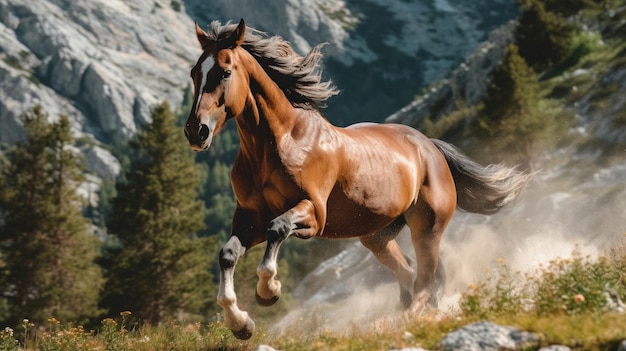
(205, 67)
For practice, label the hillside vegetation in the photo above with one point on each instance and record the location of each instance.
(554, 69)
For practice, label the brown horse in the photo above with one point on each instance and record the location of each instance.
(298, 175)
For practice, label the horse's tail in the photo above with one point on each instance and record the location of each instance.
(482, 189)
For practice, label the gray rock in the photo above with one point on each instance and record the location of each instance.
(486, 336)
(101, 162)
(622, 346)
(555, 348)
(264, 348)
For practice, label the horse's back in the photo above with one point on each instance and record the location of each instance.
(395, 142)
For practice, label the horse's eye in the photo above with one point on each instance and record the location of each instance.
(226, 74)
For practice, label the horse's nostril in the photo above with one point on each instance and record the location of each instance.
(204, 132)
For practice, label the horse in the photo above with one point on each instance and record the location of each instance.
(298, 175)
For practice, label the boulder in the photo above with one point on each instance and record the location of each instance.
(487, 336)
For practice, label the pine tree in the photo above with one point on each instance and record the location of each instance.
(570, 7)
(160, 268)
(49, 254)
(544, 39)
(511, 120)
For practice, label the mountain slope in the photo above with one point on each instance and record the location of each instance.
(105, 64)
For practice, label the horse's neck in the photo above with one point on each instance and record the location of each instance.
(269, 116)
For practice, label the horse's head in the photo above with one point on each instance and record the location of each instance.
(220, 85)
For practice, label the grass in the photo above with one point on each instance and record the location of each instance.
(563, 301)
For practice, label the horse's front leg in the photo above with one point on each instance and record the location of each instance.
(235, 319)
(299, 220)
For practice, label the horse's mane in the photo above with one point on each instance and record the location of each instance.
(299, 77)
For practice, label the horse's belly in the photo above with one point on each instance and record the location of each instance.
(346, 218)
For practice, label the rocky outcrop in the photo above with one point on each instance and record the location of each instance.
(111, 61)
(467, 83)
(487, 336)
(104, 64)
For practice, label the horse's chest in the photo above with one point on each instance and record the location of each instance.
(275, 182)
(275, 190)
(280, 191)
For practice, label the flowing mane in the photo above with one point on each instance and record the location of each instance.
(300, 78)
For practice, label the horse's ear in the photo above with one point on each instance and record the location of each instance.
(203, 38)
(240, 33)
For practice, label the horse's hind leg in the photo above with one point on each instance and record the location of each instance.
(427, 221)
(385, 248)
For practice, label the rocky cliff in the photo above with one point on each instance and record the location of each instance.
(102, 63)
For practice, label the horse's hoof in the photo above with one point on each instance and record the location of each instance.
(246, 332)
(434, 300)
(405, 298)
(420, 301)
(266, 302)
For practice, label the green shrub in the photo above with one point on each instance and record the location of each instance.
(572, 286)
(497, 295)
(579, 284)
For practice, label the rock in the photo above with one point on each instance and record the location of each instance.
(486, 336)
(101, 162)
(264, 348)
(335, 278)
(622, 346)
(409, 349)
(555, 348)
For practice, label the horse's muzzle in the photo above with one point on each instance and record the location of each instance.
(198, 140)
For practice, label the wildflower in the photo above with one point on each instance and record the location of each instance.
(578, 298)
(500, 260)
(109, 321)
(9, 331)
(125, 313)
